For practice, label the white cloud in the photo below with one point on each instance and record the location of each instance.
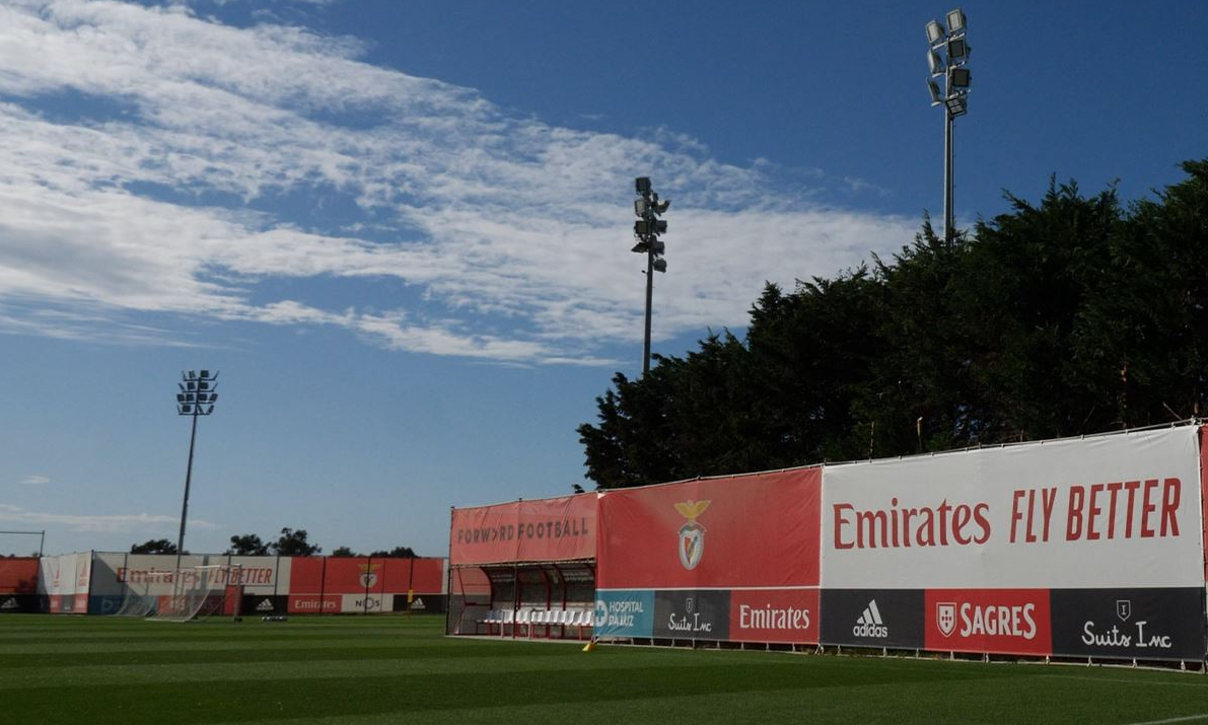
(35, 480)
(119, 524)
(514, 232)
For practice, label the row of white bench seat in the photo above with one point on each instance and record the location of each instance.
(531, 617)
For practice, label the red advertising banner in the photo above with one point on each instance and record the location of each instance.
(1006, 621)
(788, 616)
(18, 575)
(760, 530)
(428, 575)
(552, 529)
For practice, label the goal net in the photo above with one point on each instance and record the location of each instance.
(178, 596)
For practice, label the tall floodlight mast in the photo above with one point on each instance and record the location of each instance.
(196, 397)
(947, 57)
(647, 229)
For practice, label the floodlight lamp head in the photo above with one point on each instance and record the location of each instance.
(936, 98)
(640, 206)
(642, 185)
(935, 32)
(641, 227)
(957, 106)
(935, 64)
(660, 265)
(958, 50)
(662, 206)
(640, 248)
(660, 226)
(185, 409)
(959, 78)
(956, 21)
(658, 247)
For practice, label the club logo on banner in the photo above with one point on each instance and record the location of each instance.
(368, 575)
(691, 534)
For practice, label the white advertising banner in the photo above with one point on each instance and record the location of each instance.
(1109, 511)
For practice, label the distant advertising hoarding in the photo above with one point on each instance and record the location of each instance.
(1113, 511)
(554, 529)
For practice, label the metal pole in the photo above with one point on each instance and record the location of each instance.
(949, 221)
(184, 509)
(649, 301)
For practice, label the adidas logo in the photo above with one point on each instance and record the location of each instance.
(870, 624)
(10, 603)
(265, 605)
(418, 604)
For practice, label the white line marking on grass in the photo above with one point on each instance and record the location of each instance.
(1187, 718)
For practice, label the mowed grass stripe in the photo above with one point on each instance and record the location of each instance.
(366, 670)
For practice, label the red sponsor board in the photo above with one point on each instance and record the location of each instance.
(428, 575)
(314, 604)
(552, 529)
(18, 575)
(787, 616)
(743, 531)
(1002, 621)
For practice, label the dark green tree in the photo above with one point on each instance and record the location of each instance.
(247, 545)
(293, 543)
(154, 546)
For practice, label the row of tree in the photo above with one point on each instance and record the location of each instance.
(1076, 315)
(291, 542)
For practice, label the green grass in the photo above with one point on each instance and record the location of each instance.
(63, 669)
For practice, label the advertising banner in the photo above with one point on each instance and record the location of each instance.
(18, 575)
(781, 616)
(1146, 624)
(686, 614)
(889, 618)
(1006, 621)
(552, 529)
(1111, 511)
(624, 614)
(742, 531)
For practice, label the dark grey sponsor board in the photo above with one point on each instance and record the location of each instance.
(22, 603)
(1143, 624)
(692, 615)
(890, 618)
(262, 604)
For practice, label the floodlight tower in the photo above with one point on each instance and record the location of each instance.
(196, 397)
(647, 229)
(947, 56)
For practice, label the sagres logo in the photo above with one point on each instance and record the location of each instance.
(870, 624)
(368, 575)
(691, 534)
(945, 617)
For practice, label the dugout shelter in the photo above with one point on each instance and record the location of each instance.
(524, 568)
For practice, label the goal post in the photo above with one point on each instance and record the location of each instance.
(192, 592)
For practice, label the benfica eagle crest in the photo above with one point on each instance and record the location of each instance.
(368, 575)
(691, 534)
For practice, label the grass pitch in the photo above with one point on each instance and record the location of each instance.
(383, 669)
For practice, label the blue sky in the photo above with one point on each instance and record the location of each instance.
(400, 230)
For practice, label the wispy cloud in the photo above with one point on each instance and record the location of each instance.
(155, 162)
(34, 480)
(120, 524)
